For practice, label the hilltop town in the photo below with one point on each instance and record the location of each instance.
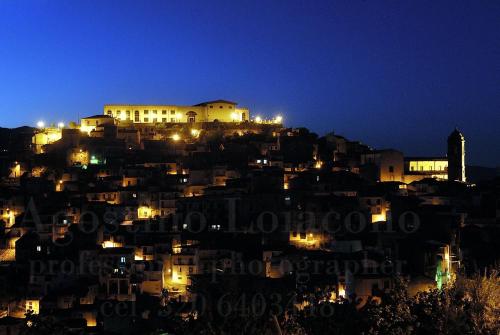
(145, 206)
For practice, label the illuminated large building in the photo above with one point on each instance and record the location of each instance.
(210, 111)
(418, 168)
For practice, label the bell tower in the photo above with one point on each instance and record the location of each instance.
(456, 156)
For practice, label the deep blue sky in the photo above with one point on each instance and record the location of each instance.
(398, 74)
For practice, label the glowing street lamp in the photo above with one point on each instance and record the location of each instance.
(278, 119)
(60, 125)
(234, 116)
(40, 124)
(258, 119)
(176, 137)
(195, 132)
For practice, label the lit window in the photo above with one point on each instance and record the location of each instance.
(38, 248)
(122, 259)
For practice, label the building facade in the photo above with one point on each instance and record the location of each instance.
(384, 165)
(418, 168)
(210, 111)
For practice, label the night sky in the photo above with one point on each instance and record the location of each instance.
(392, 74)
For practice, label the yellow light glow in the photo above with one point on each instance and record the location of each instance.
(430, 165)
(195, 132)
(447, 254)
(175, 277)
(176, 137)
(341, 291)
(178, 116)
(40, 124)
(309, 241)
(235, 116)
(33, 305)
(333, 296)
(90, 318)
(318, 164)
(60, 125)
(258, 119)
(278, 119)
(379, 217)
(111, 244)
(12, 242)
(144, 212)
(87, 129)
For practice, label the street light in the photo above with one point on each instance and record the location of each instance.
(60, 125)
(176, 137)
(40, 124)
(278, 119)
(258, 119)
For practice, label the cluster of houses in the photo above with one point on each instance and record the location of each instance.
(102, 220)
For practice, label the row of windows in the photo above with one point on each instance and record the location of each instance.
(429, 168)
(154, 111)
(119, 112)
(137, 119)
(211, 106)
